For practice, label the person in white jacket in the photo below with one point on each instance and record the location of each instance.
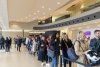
(34, 45)
(26, 42)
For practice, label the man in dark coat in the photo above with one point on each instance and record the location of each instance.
(18, 42)
(7, 44)
(95, 43)
(10, 41)
(2, 42)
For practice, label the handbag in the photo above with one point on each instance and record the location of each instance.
(71, 53)
(50, 52)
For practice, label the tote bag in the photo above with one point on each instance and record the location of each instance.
(71, 53)
(50, 52)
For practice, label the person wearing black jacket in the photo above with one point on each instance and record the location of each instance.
(2, 40)
(10, 40)
(7, 44)
(18, 42)
(55, 41)
(95, 45)
(95, 42)
(65, 44)
(42, 55)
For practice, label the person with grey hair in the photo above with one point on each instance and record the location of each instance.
(81, 46)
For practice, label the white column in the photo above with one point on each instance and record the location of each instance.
(4, 23)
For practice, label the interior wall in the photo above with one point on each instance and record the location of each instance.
(13, 34)
(67, 31)
(23, 25)
(4, 14)
(75, 32)
(0, 31)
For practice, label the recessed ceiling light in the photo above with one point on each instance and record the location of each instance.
(58, 3)
(42, 6)
(38, 11)
(82, 6)
(44, 17)
(34, 13)
(49, 8)
(67, 11)
(26, 17)
(39, 21)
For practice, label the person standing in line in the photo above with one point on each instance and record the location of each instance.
(42, 55)
(7, 44)
(95, 45)
(2, 42)
(39, 38)
(34, 45)
(30, 45)
(65, 44)
(81, 46)
(36, 39)
(26, 42)
(15, 41)
(19, 42)
(48, 47)
(55, 41)
(10, 41)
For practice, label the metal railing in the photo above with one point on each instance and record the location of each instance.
(62, 58)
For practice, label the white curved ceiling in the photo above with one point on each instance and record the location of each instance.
(29, 10)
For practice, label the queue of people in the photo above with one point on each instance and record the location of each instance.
(47, 48)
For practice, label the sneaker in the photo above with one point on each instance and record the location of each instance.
(42, 64)
(48, 64)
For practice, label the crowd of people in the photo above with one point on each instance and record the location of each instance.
(48, 48)
(5, 43)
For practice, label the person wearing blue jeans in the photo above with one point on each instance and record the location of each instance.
(55, 41)
(55, 61)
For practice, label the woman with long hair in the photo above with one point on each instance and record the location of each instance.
(81, 46)
(42, 55)
(65, 44)
(55, 41)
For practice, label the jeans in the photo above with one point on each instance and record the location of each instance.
(55, 61)
(7, 48)
(2, 46)
(18, 48)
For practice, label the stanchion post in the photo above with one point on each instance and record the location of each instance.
(61, 61)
